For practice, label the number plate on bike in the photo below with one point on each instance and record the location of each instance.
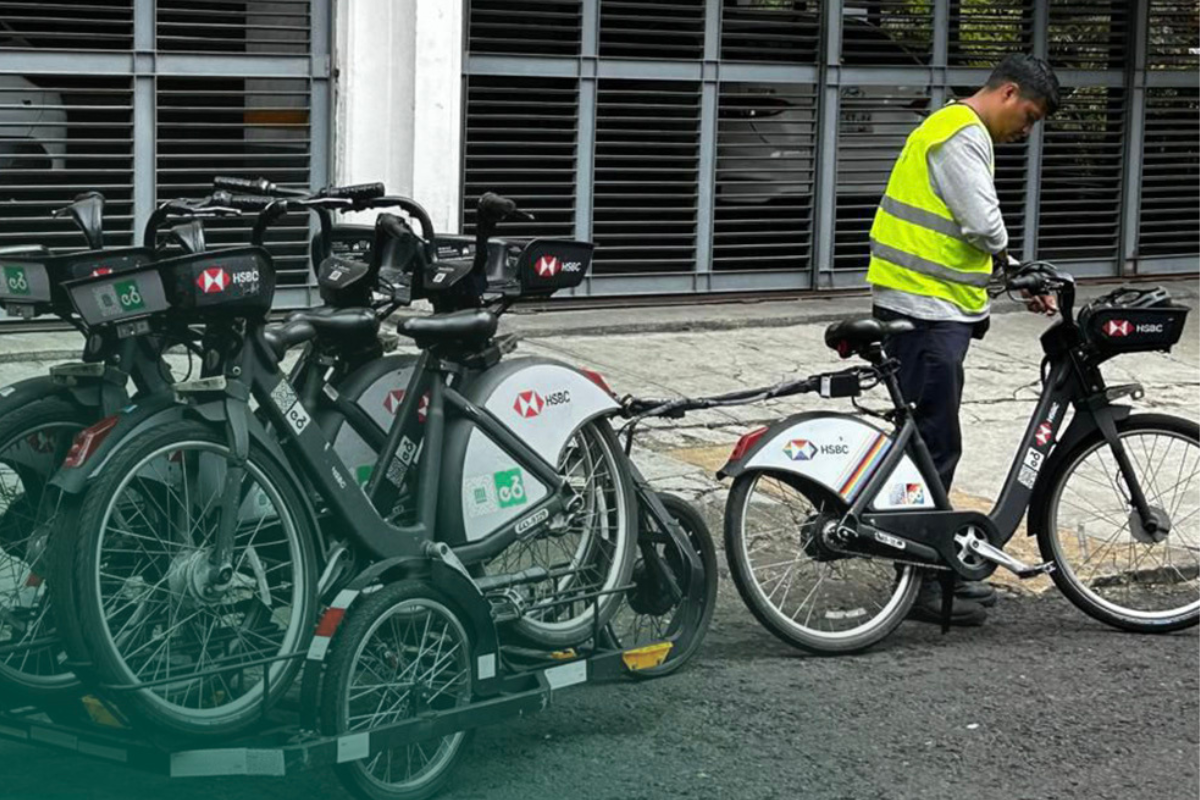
(118, 298)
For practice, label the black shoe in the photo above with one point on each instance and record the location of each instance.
(975, 591)
(928, 608)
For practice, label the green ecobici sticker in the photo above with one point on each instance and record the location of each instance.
(510, 488)
(129, 296)
(15, 280)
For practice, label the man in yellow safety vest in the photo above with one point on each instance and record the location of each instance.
(937, 233)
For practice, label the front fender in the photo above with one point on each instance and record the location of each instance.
(22, 393)
(1082, 425)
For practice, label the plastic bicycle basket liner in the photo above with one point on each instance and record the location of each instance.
(1117, 328)
(34, 284)
(228, 283)
(548, 265)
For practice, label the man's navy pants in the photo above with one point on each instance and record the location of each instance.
(931, 377)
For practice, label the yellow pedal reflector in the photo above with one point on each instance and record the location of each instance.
(99, 712)
(646, 657)
(564, 655)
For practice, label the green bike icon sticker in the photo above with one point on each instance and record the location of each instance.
(510, 488)
(129, 296)
(15, 280)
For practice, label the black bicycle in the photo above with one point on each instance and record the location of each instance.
(831, 520)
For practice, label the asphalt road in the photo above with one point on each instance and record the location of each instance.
(1042, 702)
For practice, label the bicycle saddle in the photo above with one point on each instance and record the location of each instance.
(848, 336)
(345, 325)
(472, 326)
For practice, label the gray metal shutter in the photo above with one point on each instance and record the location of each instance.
(1170, 197)
(146, 100)
(771, 32)
(520, 142)
(1089, 34)
(524, 27)
(647, 171)
(83, 135)
(664, 29)
(983, 33)
(908, 24)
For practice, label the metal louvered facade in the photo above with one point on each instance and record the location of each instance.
(145, 100)
(742, 145)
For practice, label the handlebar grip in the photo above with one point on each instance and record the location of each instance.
(254, 186)
(358, 192)
(243, 202)
(495, 207)
(1031, 283)
(393, 226)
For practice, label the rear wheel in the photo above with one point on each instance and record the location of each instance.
(800, 589)
(591, 558)
(1107, 563)
(33, 442)
(404, 651)
(148, 610)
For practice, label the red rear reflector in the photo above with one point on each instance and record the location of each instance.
(330, 621)
(745, 443)
(33, 581)
(87, 440)
(598, 379)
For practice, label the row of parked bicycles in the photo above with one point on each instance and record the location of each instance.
(215, 520)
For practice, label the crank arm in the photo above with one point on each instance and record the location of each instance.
(1013, 565)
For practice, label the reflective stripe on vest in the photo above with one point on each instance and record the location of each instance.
(916, 245)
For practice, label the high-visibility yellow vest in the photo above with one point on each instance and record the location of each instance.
(916, 246)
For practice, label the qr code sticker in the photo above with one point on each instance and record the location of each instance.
(283, 396)
(1026, 477)
(479, 496)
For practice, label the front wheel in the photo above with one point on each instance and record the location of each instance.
(150, 609)
(795, 584)
(1106, 562)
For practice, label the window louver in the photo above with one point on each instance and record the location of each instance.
(983, 33)
(525, 27)
(1171, 174)
(671, 29)
(245, 127)
(770, 32)
(873, 124)
(1088, 34)
(887, 32)
(280, 27)
(1012, 169)
(766, 145)
(66, 24)
(521, 142)
(646, 176)
(82, 141)
(1080, 210)
(1174, 34)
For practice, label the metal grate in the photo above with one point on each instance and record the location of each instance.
(887, 32)
(672, 29)
(1080, 211)
(525, 27)
(1174, 34)
(66, 24)
(82, 140)
(1170, 218)
(873, 124)
(646, 176)
(237, 126)
(766, 144)
(1089, 34)
(981, 34)
(280, 27)
(769, 31)
(521, 141)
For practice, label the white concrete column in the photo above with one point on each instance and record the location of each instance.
(399, 100)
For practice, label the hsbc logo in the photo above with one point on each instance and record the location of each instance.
(1150, 327)
(246, 276)
(212, 280)
(1044, 433)
(395, 397)
(1118, 327)
(550, 266)
(531, 404)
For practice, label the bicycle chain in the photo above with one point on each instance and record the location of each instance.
(907, 562)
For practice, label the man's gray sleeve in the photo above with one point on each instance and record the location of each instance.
(959, 173)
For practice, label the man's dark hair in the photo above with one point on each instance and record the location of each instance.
(1033, 75)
